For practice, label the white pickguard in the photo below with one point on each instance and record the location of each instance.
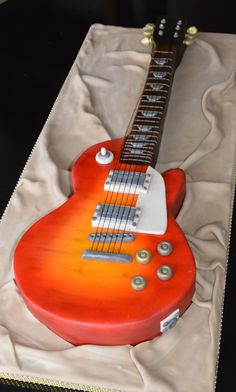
(153, 219)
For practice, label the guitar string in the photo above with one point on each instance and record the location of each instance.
(142, 168)
(130, 198)
(110, 195)
(170, 59)
(127, 195)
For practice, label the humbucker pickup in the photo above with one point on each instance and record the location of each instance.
(127, 182)
(115, 216)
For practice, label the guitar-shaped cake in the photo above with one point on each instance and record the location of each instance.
(111, 266)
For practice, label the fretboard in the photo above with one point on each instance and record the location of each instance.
(142, 143)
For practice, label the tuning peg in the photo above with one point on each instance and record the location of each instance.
(147, 33)
(149, 27)
(190, 35)
(148, 30)
(146, 41)
(188, 41)
(192, 31)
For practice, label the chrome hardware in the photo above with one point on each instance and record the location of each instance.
(127, 182)
(143, 256)
(106, 256)
(104, 156)
(164, 248)
(176, 35)
(164, 272)
(111, 237)
(115, 216)
(138, 282)
(160, 32)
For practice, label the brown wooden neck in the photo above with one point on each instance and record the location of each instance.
(142, 143)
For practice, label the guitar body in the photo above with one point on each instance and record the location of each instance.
(89, 301)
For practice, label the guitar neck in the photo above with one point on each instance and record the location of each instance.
(141, 145)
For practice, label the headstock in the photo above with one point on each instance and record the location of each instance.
(170, 32)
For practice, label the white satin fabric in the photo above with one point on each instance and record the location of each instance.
(96, 103)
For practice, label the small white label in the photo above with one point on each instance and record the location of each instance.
(169, 321)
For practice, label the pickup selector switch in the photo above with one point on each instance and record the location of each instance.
(104, 156)
(164, 248)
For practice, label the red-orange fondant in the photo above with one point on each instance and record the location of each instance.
(87, 301)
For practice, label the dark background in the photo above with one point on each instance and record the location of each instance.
(39, 40)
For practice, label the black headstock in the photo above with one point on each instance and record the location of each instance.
(170, 33)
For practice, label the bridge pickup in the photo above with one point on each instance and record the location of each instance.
(127, 182)
(117, 217)
(106, 256)
(111, 237)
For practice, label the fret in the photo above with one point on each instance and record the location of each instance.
(149, 89)
(148, 118)
(162, 66)
(149, 136)
(140, 144)
(137, 151)
(163, 51)
(137, 159)
(148, 149)
(164, 79)
(152, 100)
(147, 107)
(141, 137)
